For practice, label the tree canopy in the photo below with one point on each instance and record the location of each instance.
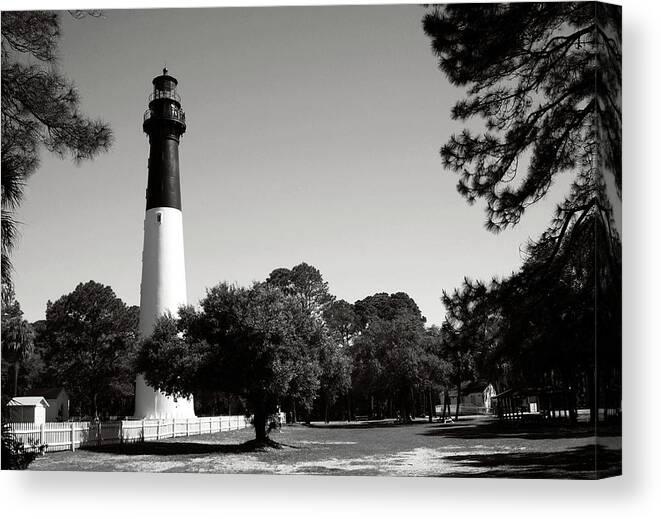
(40, 109)
(389, 353)
(257, 342)
(17, 342)
(546, 80)
(341, 320)
(88, 340)
(306, 283)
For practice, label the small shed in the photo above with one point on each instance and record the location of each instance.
(58, 402)
(475, 398)
(27, 409)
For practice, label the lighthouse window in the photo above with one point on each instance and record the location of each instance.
(159, 217)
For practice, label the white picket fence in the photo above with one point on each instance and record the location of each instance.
(59, 436)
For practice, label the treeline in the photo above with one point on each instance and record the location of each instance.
(285, 342)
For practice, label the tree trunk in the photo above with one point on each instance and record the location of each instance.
(260, 422)
(456, 412)
(592, 398)
(405, 407)
(423, 402)
(447, 408)
(16, 368)
(569, 389)
(431, 405)
(573, 408)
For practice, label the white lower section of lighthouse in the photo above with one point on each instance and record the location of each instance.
(163, 290)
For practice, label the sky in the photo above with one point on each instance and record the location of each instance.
(313, 136)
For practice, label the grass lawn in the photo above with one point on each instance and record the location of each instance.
(472, 447)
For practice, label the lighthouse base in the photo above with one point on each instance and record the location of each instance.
(151, 404)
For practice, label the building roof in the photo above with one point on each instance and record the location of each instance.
(28, 401)
(469, 387)
(529, 391)
(49, 393)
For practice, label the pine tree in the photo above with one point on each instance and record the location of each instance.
(545, 78)
(40, 109)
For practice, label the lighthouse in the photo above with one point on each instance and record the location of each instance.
(163, 287)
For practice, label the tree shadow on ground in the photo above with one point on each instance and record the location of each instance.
(586, 462)
(497, 429)
(173, 448)
(363, 425)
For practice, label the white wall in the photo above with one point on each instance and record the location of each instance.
(163, 286)
(40, 414)
(163, 289)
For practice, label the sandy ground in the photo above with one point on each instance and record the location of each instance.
(472, 447)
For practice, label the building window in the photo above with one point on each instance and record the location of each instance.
(159, 217)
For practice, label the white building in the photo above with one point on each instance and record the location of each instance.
(30, 409)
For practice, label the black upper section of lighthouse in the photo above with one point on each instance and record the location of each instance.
(164, 123)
